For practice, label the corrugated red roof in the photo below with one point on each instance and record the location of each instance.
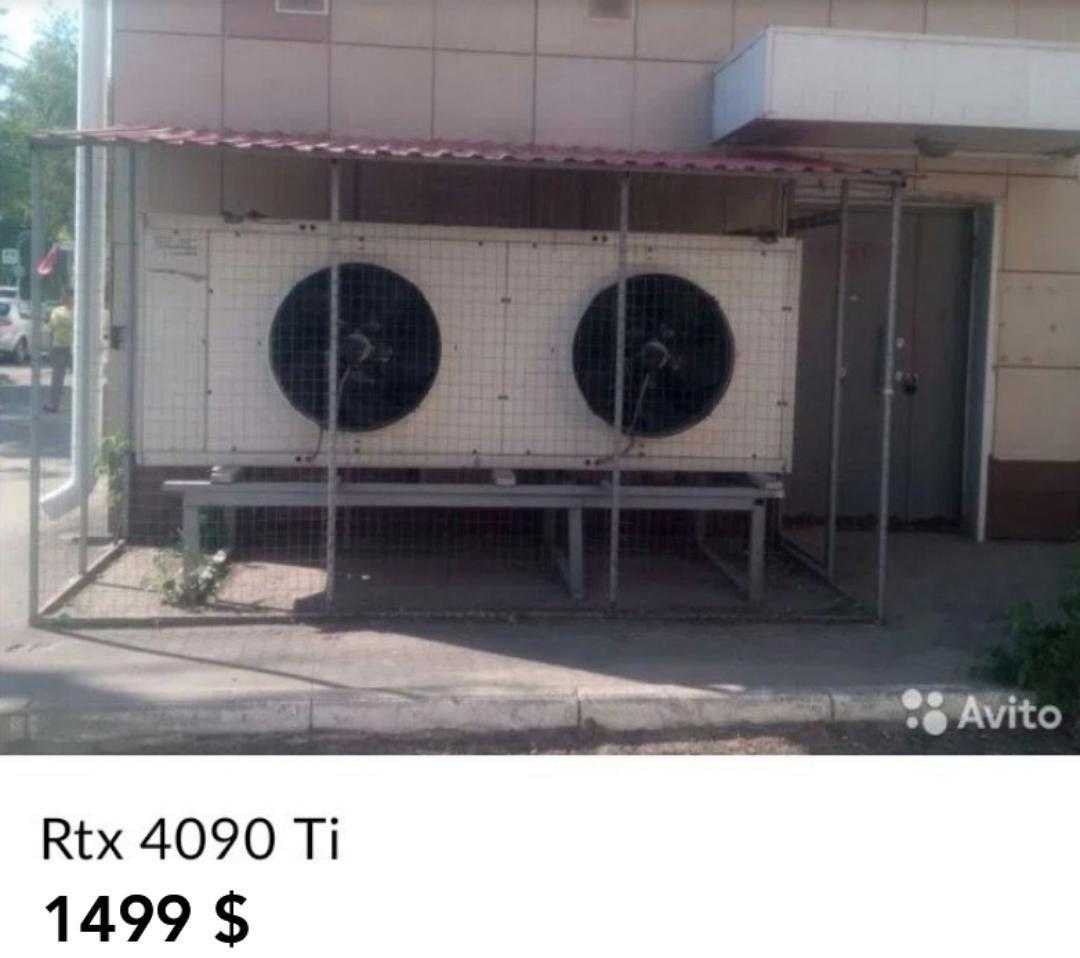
(771, 164)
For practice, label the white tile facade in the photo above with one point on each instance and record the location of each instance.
(487, 25)
(277, 85)
(381, 89)
(672, 105)
(401, 67)
(400, 23)
(543, 70)
(483, 96)
(984, 18)
(685, 29)
(564, 26)
(168, 16)
(585, 102)
(167, 79)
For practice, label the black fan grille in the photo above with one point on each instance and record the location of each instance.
(679, 355)
(388, 347)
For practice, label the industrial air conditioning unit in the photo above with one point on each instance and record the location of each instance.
(463, 347)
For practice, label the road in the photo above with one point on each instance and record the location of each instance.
(14, 484)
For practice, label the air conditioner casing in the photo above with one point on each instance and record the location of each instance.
(508, 303)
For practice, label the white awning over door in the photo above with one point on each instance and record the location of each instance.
(888, 91)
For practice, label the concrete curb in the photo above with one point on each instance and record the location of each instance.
(252, 717)
(414, 713)
(873, 706)
(670, 712)
(463, 713)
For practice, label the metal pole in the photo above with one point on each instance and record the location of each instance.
(838, 382)
(332, 385)
(620, 379)
(37, 246)
(886, 401)
(82, 436)
(129, 334)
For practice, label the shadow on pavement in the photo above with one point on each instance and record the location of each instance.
(15, 420)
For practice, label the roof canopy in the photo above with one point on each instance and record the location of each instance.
(459, 152)
(933, 94)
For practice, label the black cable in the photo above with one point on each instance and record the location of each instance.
(655, 357)
(638, 406)
(322, 428)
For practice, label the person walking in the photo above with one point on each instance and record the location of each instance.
(61, 324)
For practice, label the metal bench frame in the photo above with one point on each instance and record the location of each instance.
(751, 497)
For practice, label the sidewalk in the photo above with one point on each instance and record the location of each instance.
(948, 600)
(476, 678)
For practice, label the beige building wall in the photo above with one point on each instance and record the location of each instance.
(545, 70)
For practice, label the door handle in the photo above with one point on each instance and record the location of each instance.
(909, 382)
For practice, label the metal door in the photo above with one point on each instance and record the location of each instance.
(933, 318)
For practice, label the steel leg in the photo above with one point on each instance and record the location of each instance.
(838, 383)
(37, 243)
(887, 400)
(618, 440)
(700, 521)
(576, 552)
(191, 544)
(230, 527)
(332, 385)
(756, 586)
(571, 564)
(752, 585)
(549, 528)
(81, 356)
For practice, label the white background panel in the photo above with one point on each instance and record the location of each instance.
(551, 286)
(508, 303)
(171, 345)
(252, 275)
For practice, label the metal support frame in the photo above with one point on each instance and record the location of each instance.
(750, 497)
(825, 567)
(130, 334)
(613, 499)
(571, 562)
(886, 401)
(332, 385)
(620, 378)
(56, 602)
(752, 585)
(838, 383)
(37, 247)
(82, 346)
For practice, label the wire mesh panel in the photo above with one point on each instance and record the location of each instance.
(80, 490)
(477, 444)
(388, 351)
(679, 354)
(565, 295)
(708, 372)
(420, 330)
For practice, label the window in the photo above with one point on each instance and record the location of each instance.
(610, 9)
(320, 8)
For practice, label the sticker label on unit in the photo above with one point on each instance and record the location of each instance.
(182, 252)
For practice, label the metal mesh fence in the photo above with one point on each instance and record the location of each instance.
(500, 416)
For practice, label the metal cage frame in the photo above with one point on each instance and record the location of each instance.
(788, 172)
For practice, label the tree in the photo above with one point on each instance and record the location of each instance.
(41, 95)
(5, 70)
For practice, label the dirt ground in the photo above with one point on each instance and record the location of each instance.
(514, 577)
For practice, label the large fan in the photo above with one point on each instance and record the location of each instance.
(679, 355)
(388, 347)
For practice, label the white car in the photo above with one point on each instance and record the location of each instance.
(15, 326)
